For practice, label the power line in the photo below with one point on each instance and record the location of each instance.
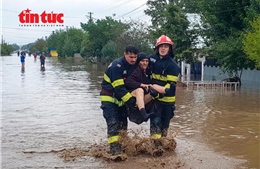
(141, 10)
(21, 36)
(130, 11)
(24, 29)
(115, 6)
(28, 34)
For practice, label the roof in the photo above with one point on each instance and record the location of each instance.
(51, 48)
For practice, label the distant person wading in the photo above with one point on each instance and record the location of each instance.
(42, 58)
(22, 59)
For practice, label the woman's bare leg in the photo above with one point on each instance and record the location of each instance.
(139, 95)
(147, 98)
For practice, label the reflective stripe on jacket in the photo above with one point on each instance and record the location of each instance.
(106, 98)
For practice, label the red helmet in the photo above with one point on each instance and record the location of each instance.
(163, 40)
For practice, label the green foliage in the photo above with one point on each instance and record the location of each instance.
(67, 42)
(85, 51)
(6, 49)
(15, 47)
(68, 47)
(224, 23)
(168, 18)
(223, 19)
(109, 51)
(100, 32)
(252, 11)
(190, 6)
(107, 38)
(136, 35)
(56, 40)
(39, 45)
(188, 55)
(230, 56)
(74, 38)
(252, 42)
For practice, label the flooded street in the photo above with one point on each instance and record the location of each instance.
(45, 111)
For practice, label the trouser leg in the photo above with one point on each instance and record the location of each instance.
(167, 115)
(156, 120)
(122, 118)
(160, 122)
(155, 126)
(115, 122)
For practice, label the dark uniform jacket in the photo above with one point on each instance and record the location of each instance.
(113, 86)
(164, 71)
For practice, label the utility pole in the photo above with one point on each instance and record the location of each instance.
(90, 15)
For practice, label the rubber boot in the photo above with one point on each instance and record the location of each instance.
(115, 149)
(164, 132)
(158, 148)
(145, 115)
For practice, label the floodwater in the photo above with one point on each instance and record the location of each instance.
(48, 111)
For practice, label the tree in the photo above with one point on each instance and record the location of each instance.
(224, 23)
(68, 47)
(168, 18)
(110, 51)
(39, 45)
(85, 51)
(75, 36)
(15, 46)
(100, 32)
(252, 42)
(136, 35)
(56, 40)
(6, 49)
(68, 41)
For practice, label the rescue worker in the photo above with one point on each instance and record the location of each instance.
(165, 73)
(114, 95)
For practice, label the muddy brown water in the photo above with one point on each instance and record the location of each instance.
(48, 112)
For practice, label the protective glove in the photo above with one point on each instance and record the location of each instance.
(171, 90)
(153, 92)
(161, 95)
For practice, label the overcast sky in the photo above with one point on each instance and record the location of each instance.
(75, 11)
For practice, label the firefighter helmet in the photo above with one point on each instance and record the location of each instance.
(163, 40)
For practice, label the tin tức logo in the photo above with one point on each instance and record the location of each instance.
(28, 18)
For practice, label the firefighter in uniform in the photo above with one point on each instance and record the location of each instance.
(114, 95)
(165, 73)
